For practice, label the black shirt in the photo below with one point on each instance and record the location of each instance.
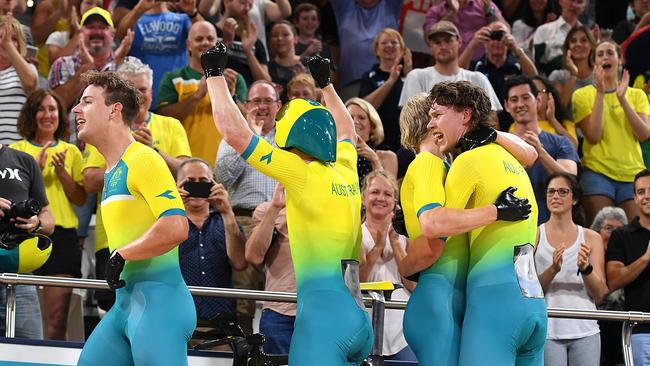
(237, 58)
(389, 109)
(20, 177)
(626, 245)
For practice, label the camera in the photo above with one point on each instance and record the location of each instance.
(496, 35)
(10, 235)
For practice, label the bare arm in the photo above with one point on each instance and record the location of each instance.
(527, 65)
(165, 234)
(45, 18)
(131, 17)
(378, 96)
(28, 79)
(280, 9)
(522, 151)
(619, 275)
(595, 252)
(399, 253)
(47, 220)
(592, 125)
(420, 254)
(93, 179)
(344, 123)
(227, 116)
(73, 190)
(261, 237)
(370, 259)
(638, 121)
(235, 242)
(443, 221)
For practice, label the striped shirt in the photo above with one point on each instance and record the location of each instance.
(12, 98)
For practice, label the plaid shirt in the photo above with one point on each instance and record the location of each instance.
(66, 67)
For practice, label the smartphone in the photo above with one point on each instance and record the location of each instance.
(31, 52)
(198, 189)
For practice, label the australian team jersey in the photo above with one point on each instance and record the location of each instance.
(61, 207)
(138, 191)
(476, 179)
(422, 190)
(323, 208)
(168, 136)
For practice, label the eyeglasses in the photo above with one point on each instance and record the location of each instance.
(262, 101)
(562, 192)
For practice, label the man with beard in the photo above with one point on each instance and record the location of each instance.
(182, 94)
(248, 187)
(444, 39)
(95, 53)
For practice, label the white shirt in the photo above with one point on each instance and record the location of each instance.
(553, 35)
(566, 291)
(422, 80)
(385, 269)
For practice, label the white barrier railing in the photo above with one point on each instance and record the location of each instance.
(629, 318)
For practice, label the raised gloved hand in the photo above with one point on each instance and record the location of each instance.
(114, 268)
(478, 137)
(214, 60)
(319, 68)
(511, 208)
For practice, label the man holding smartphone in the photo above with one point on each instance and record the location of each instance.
(215, 243)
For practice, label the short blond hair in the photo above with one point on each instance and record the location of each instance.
(389, 32)
(376, 127)
(304, 79)
(413, 121)
(17, 28)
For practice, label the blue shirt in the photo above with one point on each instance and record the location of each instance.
(559, 147)
(159, 41)
(204, 262)
(357, 28)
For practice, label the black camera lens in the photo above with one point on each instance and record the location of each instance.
(26, 208)
(496, 35)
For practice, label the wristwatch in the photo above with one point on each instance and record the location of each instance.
(587, 271)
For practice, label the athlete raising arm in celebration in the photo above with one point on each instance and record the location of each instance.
(316, 163)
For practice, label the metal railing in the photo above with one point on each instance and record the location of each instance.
(629, 318)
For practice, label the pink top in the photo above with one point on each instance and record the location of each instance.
(469, 19)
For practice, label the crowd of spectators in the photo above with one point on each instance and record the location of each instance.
(570, 77)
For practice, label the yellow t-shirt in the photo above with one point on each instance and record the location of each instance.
(61, 207)
(203, 136)
(323, 209)
(618, 154)
(547, 126)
